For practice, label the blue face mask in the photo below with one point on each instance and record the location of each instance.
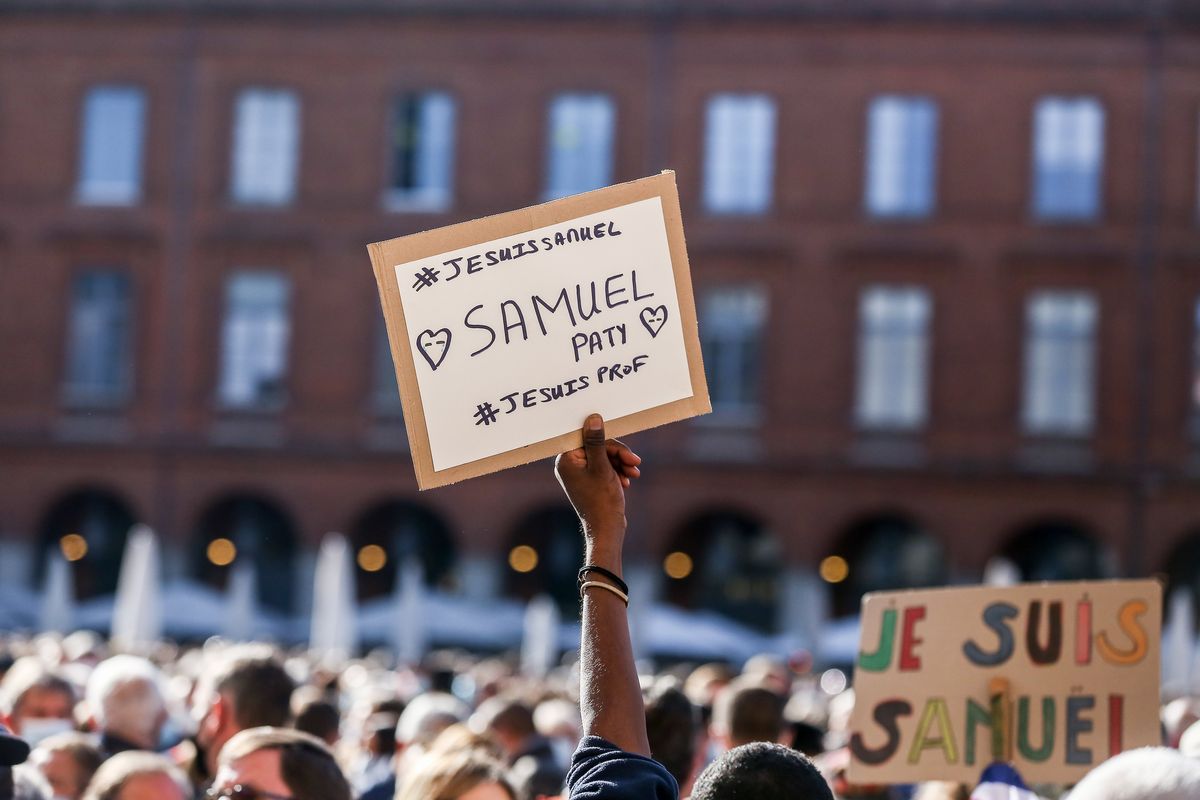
(170, 735)
(36, 730)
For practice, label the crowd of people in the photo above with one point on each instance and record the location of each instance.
(256, 722)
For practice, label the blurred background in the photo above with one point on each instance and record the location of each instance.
(947, 264)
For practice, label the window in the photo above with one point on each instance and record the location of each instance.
(1059, 363)
(893, 356)
(99, 362)
(1068, 143)
(266, 139)
(422, 141)
(110, 161)
(731, 329)
(580, 156)
(385, 394)
(901, 156)
(254, 340)
(739, 154)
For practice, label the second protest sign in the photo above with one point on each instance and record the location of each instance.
(1080, 660)
(507, 331)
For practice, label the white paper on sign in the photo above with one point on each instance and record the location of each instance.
(518, 339)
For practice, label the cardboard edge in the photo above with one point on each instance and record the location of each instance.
(432, 242)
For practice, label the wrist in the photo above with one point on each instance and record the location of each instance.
(605, 554)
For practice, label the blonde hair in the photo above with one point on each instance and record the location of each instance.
(448, 776)
(108, 781)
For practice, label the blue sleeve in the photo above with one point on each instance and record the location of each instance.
(601, 771)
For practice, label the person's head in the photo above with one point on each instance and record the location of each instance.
(466, 775)
(426, 716)
(249, 688)
(68, 760)
(764, 771)
(37, 702)
(136, 775)
(282, 762)
(321, 719)
(1149, 773)
(671, 724)
(124, 695)
(1189, 742)
(746, 713)
(508, 721)
(1177, 716)
(942, 790)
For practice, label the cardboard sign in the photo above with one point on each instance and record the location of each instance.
(507, 331)
(1081, 661)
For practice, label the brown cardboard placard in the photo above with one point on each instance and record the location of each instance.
(507, 330)
(1078, 664)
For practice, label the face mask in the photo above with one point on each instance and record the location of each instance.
(35, 730)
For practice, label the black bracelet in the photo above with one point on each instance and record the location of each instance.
(606, 573)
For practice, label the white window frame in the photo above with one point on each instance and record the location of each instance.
(1058, 396)
(265, 159)
(901, 163)
(739, 154)
(1068, 159)
(433, 189)
(90, 330)
(895, 324)
(112, 139)
(727, 334)
(254, 345)
(581, 130)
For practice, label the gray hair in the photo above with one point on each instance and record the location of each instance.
(427, 716)
(125, 696)
(1149, 773)
(113, 774)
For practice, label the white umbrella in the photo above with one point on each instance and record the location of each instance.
(137, 611)
(57, 611)
(241, 602)
(539, 647)
(410, 636)
(334, 623)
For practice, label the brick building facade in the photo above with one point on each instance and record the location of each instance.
(983, 346)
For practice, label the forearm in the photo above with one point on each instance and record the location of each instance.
(611, 696)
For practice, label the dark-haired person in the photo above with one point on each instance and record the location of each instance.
(278, 764)
(248, 689)
(613, 760)
(746, 712)
(673, 727)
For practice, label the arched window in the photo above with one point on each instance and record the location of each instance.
(881, 553)
(390, 533)
(545, 554)
(727, 562)
(1055, 550)
(247, 526)
(89, 527)
(1183, 571)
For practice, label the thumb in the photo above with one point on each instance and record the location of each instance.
(593, 442)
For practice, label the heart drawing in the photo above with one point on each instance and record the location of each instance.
(654, 317)
(434, 345)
